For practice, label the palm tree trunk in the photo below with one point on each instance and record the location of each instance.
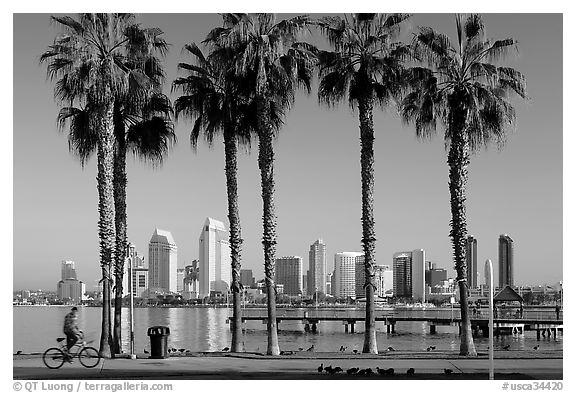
(121, 227)
(102, 120)
(365, 106)
(458, 160)
(230, 149)
(266, 165)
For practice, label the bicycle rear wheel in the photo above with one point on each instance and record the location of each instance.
(53, 358)
(89, 357)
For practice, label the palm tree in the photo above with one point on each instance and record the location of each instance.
(365, 66)
(87, 62)
(465, 90)
(268, 53)
(212, 97)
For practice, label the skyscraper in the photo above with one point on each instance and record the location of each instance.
(345, 274)
(162, 262)
(214, 257)
(317, 267)
(472, 261)
(69, 288)
(409, 274)
(359, 277)
(383, 279)
(289, 273)
(246, 278)
(505, 261)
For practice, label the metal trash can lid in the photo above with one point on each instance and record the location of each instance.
(159, 331)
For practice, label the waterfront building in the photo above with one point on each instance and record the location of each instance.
(139, 273)
(409, 274)
(345, 274)
(472, 261)
(214, 257)
(329, 283)
(384, 280)
(191, 276)
(505, 261)
(434, 275)
(247, 278)
(180, 279)
(162, 262)
(289, 274)
(69, 288)
(317, 269)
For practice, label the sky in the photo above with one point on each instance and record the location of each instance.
(516, 189)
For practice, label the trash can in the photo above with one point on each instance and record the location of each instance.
(158, 342)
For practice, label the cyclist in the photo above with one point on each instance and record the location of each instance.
(73, 334)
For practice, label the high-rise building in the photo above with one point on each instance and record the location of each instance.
(505, 261)
(472, 261)
(162, 262)
(345, 274)
(409, 274)
(289, 273)
(359, 277)
(384, 280)
(180, 279)
(329, 283)
(68, 270)
(435, 276)
(317, 267)
(191, 276)
(214, 258)
(69, 288)
(247, 278)
(139, 273)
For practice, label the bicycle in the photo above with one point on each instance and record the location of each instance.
(55, 357)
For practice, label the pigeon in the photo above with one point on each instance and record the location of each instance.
(432, 347)
(448, 371)
(428, 349)
(321, 367)
(188, 351)
(352, 371)
(181, 350)
(390, 371)
(169, 350)
(390, 349)
(507, 347)
(300, 349)
(225, 349)
(536, 347)
(355, 351)
(18, 353)
(410, 371)
(311, 348)
(145, 351)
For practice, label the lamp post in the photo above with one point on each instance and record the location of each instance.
(131, 286)
(489, 276)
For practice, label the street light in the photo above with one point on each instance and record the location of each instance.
(489, 276)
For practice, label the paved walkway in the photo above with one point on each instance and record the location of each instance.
(256, 366)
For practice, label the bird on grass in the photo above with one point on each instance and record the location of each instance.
(410, 371)
(506, 347)
(225, 349)
(355, 351)
(181, 350)
(536, 347)
(352, 371)
(428, 349)
(343, 348)
(311, 348)
(18, 352)
(300, 349)
(188, 351)
(448, 371)
(390, 349)
(169, 350)
(321, 367)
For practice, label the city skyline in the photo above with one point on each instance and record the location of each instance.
(326, 141)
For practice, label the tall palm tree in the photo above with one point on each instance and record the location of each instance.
(268, 52)
(463, 88)
(364, 66)
(87, 63)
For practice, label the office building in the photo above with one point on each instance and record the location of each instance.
(247, 278)
(191, 283)
(384, 280)
(329, 283)
(345, 273)
(289, 274)
(409, 274)
(434, 275)
(180, 279)
(214, 257)
(472, 261)
(162, 262)
(69, 289)
(139, 273)
(317, 267)
(505, 261)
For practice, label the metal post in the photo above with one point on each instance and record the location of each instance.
(489, 275)
(131, 287)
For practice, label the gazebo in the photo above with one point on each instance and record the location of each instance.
(507, 294)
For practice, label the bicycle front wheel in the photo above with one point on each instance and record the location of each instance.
(89, 357)
(53, 358)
